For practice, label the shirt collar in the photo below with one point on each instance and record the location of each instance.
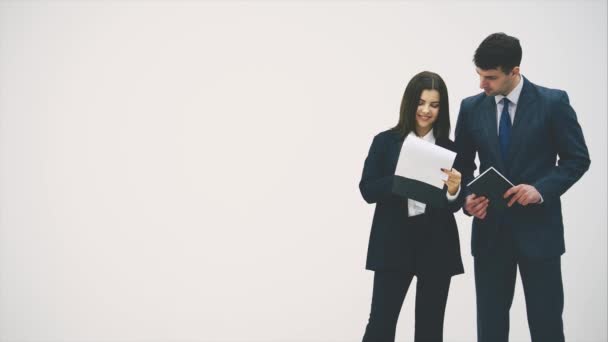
(430, 137)
(513, 96)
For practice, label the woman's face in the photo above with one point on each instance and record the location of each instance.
(427, 112)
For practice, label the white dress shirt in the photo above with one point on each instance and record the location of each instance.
(414, 207)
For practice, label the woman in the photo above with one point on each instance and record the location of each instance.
(410, 238)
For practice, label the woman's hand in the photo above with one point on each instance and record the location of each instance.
(453, 181)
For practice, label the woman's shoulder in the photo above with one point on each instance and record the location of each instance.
(388, 135)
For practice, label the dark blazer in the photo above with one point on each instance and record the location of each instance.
(390, 241)
(544, 128)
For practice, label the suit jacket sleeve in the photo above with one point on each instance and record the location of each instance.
(375, 185)
(457, 203)
(571, 148)
(465, 147)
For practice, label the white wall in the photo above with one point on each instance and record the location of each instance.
(188, 171)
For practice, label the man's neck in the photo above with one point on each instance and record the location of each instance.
(515, 84)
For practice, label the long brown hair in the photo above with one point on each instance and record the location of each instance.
(425, 80)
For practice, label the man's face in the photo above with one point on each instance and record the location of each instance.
(496, 82)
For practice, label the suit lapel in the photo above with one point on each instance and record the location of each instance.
(394, 150)
(523, 115)
(490, 127)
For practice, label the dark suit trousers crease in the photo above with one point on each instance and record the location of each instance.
(495, 278)
(390, 288)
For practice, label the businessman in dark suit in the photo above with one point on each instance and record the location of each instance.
(531, 135)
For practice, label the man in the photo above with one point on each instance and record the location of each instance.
(520, 129)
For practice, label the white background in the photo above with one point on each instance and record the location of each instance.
(188, 171)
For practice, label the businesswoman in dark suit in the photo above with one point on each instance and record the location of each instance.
(409, 238)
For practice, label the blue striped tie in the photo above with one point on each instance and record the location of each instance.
(504, 129)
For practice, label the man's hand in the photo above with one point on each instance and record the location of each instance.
(523, 194)
(477, 206)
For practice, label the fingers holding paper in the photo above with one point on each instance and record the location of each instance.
(523, 194)
(477, 206)
(453, 181)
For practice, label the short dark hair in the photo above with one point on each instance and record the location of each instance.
(425, 80)
(498, 50)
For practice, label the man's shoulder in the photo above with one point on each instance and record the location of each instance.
(473, 101)
(546, 92)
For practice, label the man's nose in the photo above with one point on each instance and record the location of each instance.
(482, 83)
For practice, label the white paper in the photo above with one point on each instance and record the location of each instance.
(423, 161)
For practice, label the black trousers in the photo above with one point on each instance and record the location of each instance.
(495, 275)
(390, 288)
